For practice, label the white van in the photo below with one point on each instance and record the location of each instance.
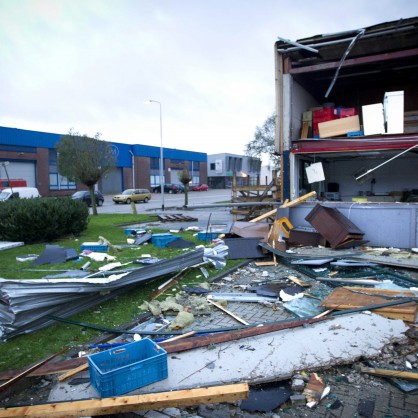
(19, 193)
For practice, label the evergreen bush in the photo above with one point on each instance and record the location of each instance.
(41, 219)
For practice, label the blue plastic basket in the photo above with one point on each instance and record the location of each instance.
(94, 246)
(161, 240)
(207, 236)
(123, 369)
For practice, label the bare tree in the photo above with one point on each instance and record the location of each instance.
(85, 159)
(263, 142)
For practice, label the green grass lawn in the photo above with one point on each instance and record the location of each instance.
(23, 350)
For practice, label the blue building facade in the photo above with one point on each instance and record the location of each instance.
(31, 155)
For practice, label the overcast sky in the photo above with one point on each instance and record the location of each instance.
(91, 64)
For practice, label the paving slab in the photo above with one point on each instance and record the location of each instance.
(273, 356)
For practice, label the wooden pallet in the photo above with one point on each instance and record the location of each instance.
(356, 297)
(176, 217)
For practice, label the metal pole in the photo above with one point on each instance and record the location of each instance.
(380, 165)
(133, 169)
(161, 152)
(161, 158)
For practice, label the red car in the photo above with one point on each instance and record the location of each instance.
(201, 188)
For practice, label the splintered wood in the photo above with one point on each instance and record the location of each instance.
(356, 297)
(125, 404)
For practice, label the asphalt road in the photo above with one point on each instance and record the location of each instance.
(172, 202)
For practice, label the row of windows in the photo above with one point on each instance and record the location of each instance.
(58, 182)
(155, 164)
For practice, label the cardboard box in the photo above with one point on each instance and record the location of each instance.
(339, 127)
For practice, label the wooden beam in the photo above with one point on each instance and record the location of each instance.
(221, 337)
(390, 373)
(265, 216)
(72, 372)
(27, 371)
(180, 337)
(298, 200)
(125, 404)
(237, 318)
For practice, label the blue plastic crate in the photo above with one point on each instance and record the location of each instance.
(94, 246)
(161, 240)
(123, 369)
(356, 133)
(207, 236)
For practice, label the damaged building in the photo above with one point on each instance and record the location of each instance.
(347, 126)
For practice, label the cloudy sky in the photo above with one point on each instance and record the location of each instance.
(91, 64)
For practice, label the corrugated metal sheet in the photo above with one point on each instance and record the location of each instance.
(26, 304)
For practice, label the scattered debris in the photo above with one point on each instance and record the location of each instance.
(55, 254)
(267, 397)
(176, 217)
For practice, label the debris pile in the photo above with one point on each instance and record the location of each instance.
(280, 331)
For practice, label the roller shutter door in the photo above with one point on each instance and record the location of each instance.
(112, 183)
(19, 170)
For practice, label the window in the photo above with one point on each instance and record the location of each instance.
(155, 163)
(194, 166)
(213, 166)
(56, 181)
(155, 180)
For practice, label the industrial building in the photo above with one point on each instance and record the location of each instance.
(31, 155)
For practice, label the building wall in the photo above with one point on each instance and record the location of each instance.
(42, 174)
(142, 170)
(34, 147)
(221, 167)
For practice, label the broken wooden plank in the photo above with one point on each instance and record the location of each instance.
(265, 263)
(298, 200)
(125, 404)
(231, 314)
(28, 371)
(250, 331)
(314, 389)
(73, 372)
(180, 337)
(264, 216)
(298, 281)
(344, 298)
(390, 373)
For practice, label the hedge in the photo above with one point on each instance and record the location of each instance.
(41, 219)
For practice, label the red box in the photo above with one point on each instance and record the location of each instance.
(323, 115)
(344, 112)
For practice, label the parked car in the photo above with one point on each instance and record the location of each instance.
(19, 193)
(168, 188)
(12, 183)
(133, 195)
(181, 188)
(85, 197)
(200, 188)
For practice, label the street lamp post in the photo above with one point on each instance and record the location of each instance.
(161, 152)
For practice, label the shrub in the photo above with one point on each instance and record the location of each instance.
(41, 219)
